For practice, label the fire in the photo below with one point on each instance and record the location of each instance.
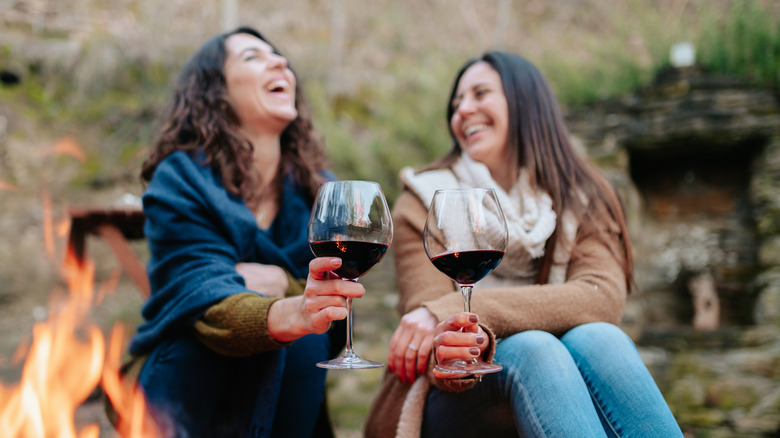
(67, 357)
(66, 146)
(66, 361)
(8, 187)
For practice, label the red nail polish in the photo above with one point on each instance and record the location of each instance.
(473, 318)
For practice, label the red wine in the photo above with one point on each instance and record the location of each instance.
(468, 267)
(356, 257)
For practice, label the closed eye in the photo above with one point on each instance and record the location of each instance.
(481, 92)
(252, 54)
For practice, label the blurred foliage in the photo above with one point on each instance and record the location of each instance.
(375, 131)
(110, 97)
(744, 43)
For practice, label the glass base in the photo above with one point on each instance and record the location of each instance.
(350, 362)
(460, 366)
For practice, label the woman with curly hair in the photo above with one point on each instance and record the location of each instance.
(240, 311)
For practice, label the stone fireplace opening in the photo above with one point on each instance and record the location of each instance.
(697, 248)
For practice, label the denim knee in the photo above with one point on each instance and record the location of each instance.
(598, 339)
(532, 346)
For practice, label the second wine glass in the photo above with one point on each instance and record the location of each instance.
(350, 220)
(465, 237)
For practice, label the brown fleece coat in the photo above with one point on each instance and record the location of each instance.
(595, 290)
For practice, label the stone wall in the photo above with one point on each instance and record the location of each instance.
(696, 158)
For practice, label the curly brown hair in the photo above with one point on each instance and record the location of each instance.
(199, 117)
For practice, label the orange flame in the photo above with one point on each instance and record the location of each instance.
(128, 400)
(65, 362)
(8, 187)
(45, 402)
(66, 146)
(48, 236)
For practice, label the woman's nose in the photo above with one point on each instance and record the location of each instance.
(465, 107)
(278, 61)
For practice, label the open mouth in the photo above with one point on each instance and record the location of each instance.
(278, 86)
(472, 130)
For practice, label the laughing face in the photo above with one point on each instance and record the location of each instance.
(260, 87)
(480, 116)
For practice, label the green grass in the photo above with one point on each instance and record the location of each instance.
(744, 43)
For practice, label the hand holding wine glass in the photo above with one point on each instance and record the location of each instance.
(465, 237)
(350, 220)
(458, 337)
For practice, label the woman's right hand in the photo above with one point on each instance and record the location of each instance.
(411, 345)
(324, 300)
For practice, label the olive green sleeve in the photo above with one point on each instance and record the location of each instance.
(297, 285)
(237, 326)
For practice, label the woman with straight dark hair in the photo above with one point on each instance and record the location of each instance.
(548, 314)
(240, 310)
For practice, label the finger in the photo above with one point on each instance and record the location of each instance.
(457, 322)
(458, 339)
(426, 347)
(394, 341)
(399, 356)
(391, 349)
(410, 360)
(321, 320)
(320, 267)
(325, 287)
(446, 353)
(318, 303)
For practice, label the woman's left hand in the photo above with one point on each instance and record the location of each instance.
(459, 337)
(411, 345)
(269, 280)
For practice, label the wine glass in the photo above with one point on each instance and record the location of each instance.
(350, 220)
(465, 237)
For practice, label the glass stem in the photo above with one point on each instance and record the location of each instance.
(466, 291)
(348, 350)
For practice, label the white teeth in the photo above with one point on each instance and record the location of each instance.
(278, 85)
(474, 129)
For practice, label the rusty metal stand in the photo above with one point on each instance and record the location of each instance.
(115, 226)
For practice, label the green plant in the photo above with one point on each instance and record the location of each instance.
(745, 42)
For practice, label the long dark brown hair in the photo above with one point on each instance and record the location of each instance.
(539, 141)
(200, 117)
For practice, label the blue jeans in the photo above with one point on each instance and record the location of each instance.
(591, 382)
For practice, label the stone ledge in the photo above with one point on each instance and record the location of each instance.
(683, 339)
